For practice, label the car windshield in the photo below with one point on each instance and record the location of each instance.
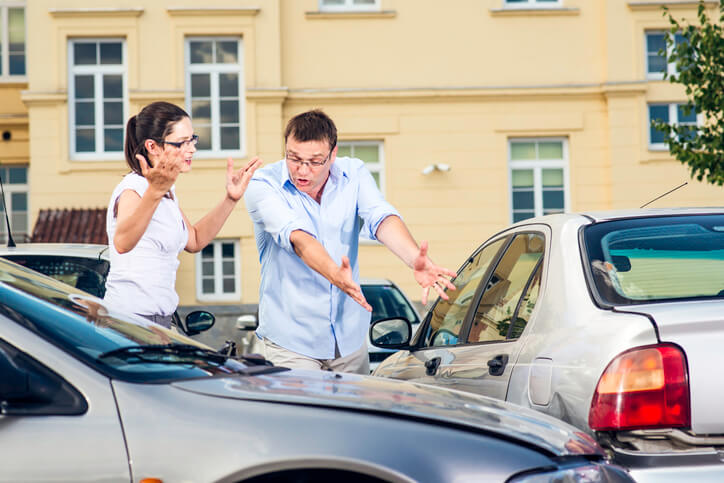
(86, 274)
(387, 301)
(656, 259)
(120, 346)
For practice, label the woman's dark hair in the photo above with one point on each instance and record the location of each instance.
(155, 121)
(312, 126)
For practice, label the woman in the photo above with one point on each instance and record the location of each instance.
(146, 227)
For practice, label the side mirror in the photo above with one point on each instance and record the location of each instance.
(247, 322)
(392, 333)
(199, 321)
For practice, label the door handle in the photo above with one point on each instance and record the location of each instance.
(496, 365)
(431, 366)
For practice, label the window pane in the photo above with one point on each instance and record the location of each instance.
(229, 285)
(19, 201)
(229, 85)
(208, 285)
(229, 111)
(201, 112)
(111, 54)
(200, 85)
(201, 52)
(368, 154)
(683, 117)
(84, 53)
(526, 306)
(227, 268)
(332, 2)
(552, 177)
(376, 177)
(363, 2)
(17, 64)
(227, 250)
(227, 52)
(499, 302)
(655, 42)
(660, 113)
(113, 113)
(229, 138)
(84, 87)
(448, 315)
(85, 113)
(656, 63)
(85, 140)
(550, 150)
(553, 201)
(522, 215)
(520, 151)
(208, 251)
(523, 178)
(19, 222)
(16, 37)
(523, 200)
(113, 86)
(207, 268)
(344, 151)
(113, 139)
(17, 175)
(204, 134)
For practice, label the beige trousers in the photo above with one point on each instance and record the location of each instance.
(357, 362)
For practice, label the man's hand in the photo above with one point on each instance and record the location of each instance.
(344, 281)
(429, 275)
(236, 182)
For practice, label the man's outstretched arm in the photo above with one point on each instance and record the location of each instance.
(393, 233)
(316, 257)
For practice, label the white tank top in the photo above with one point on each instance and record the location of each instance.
(143, 280)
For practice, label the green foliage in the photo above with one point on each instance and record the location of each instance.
(699, 61)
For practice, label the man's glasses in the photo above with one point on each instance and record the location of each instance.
(311, 163)
(193, 141)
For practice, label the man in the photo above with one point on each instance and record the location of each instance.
(306, 210)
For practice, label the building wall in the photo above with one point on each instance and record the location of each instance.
(436, 83)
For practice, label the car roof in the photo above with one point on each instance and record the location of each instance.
(375, 281)
(586, 217)
(83, 250)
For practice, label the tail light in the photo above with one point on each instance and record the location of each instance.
(643, 388)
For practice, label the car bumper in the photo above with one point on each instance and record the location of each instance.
(704, 465)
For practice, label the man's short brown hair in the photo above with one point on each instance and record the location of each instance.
(312, 125)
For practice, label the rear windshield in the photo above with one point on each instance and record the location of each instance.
(387, 301)
(656, 259)
(87, 274)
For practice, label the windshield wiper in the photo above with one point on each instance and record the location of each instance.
(184, 350)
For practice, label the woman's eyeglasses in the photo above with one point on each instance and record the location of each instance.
(193, 141)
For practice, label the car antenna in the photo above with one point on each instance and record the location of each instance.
(11, 242)
(670, 191)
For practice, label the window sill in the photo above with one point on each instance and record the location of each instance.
(14, 81)
(534, 12)
(349, 15)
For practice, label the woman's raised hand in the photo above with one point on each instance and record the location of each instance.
(163, 174)
(237, 181)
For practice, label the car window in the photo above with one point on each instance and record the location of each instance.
(657, 258)
(500, 300)
(526, 305)
(388, 301)
(85, 274)
(447, 316)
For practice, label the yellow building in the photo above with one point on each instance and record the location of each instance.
(471, 113)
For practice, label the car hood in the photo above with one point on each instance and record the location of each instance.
(698, 328)
(401, 399)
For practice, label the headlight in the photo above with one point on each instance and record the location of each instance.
(590, 473)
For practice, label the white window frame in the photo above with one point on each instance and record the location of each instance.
(673, 119)
(9, 190)
(533, 4)
(97, 71)
(375, 168)
(538, 166)
(219, 295)
(349, 6)
(670, 66)
(215, 70)
(5, 75)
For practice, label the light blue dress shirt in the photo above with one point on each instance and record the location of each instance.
(299, 309)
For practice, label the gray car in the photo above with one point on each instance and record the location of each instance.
(612, 322)
(87, 395)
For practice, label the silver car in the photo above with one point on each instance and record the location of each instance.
(87, 395)
(613, 322)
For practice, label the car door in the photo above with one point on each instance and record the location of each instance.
(52, 429)
(470, 341)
